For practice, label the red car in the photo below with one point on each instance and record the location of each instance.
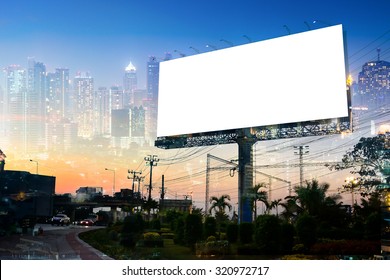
(86, 222)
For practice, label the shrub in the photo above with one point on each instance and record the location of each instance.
(151, 236)
(287, 233)
(167, 235)
(246, 232)
(267, 234)
(152, 239)
(306, 230)
(232, 233)
(212, 248)
(132, 227)
(193, 229)
(210, 226)
(211, 238)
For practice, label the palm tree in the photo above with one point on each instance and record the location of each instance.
(275, 204)
(256, 194)
(313, 200)
(291, 209)
(312, 196)
(218, 205)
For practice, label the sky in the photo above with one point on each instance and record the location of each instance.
(103, 36)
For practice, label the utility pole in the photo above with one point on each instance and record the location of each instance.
(301, 150)
(152, 161)
(232, 168)
(162, 192)
(139, 180)
(134, 173)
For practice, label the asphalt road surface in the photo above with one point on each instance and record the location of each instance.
(54, 243)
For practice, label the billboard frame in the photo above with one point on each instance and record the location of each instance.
(247, 137)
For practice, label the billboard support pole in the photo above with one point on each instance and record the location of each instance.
(245, 141)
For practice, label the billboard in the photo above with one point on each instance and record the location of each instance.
(295, 78)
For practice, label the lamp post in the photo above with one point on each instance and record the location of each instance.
(36, 163)
(113, 186)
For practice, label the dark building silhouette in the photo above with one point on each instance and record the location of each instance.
(25, 195)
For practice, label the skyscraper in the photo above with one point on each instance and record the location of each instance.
(14, 128)
(374, 84)
(118, 98)
(151, 102)
(153, 70)
(103, 111)
(129, 84)
(84, 107)
(60, 131)
(35, 106)
(62, 90)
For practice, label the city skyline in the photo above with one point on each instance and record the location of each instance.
(103, 38)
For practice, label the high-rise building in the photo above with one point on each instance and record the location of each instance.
(129, 85)
(84, 104)
(3, 117)
(139, 97)
(35, 109)
(118, 98)
(152, 78)
(103, 111)
(62, 92)
(137, 124)
(374, 84)
(151, 102)
(60, 130)
(120, 128)
(127, 126)
(14, 128)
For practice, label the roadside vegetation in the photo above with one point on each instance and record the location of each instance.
(311, 224)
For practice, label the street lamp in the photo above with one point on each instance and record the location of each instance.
(113, 186)
(36, 163)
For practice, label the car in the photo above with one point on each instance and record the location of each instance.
(87, 222)
(60, 220)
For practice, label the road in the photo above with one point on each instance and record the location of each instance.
(55, 243)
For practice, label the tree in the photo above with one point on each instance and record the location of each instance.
(257, 194)
(218, 205)
(311, 197)
(291, 209)
(275, 204)
(370, 159)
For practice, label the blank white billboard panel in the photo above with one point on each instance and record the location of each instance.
(290, 79)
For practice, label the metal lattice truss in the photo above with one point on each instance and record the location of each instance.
(273, 132)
